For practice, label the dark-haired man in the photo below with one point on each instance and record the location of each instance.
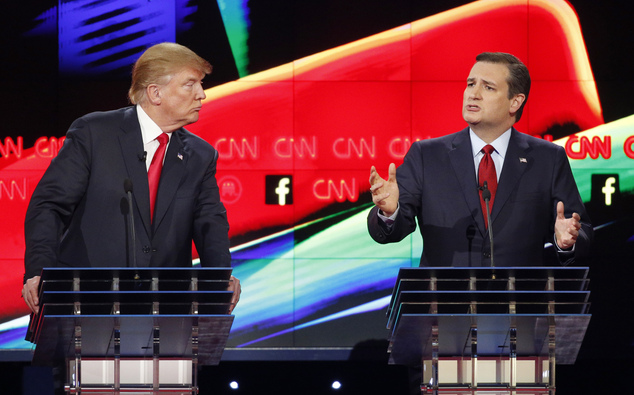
(534, 199)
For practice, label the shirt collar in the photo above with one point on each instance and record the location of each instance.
(500, 144)
(149, 129)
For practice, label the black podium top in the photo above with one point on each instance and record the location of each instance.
(450, 285)
(170, 278)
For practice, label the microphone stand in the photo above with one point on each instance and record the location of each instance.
(486, 195)
(127, 185)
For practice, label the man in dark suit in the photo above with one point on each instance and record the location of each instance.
(535, 201)
(78, 215)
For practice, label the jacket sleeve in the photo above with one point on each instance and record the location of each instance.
(211, 227)
(565, 189)
(55, 199)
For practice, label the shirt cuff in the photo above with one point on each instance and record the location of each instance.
(389, 221)
(570, 250)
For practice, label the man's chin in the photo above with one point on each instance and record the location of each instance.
(193, 118)
(470, 121)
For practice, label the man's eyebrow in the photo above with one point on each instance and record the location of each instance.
(486, 82)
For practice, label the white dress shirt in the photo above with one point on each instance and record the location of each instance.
(149, 132)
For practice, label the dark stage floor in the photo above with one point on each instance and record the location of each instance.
(317, 377)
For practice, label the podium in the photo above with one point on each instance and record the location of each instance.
(488, 329)
(131, 330)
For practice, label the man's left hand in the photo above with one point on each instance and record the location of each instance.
(566, 229)
(234, 286)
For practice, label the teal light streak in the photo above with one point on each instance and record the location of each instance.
(378, 304)
(235, 15)
(315, 274)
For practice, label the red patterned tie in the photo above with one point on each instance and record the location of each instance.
(486, 172)
(154, 172)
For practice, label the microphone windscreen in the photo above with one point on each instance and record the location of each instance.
(127, 185)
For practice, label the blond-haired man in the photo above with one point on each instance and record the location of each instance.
(76, 217)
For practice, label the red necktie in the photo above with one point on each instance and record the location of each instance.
(486, 172)
(154, 172)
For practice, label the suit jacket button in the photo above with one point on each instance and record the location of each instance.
(486, 254)
(146, 249)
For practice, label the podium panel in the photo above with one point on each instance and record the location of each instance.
(132, 330)
(57, 337)
(483, 324)
(413, 337)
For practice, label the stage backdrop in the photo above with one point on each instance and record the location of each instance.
(305, 97)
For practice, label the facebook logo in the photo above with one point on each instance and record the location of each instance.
(605, 189)
(279, 190)
(608, 190)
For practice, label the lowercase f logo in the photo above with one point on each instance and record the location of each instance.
(608, 190)
(605, 190)
(279, 190)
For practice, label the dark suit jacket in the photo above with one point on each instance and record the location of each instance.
(438, 187)
(78, 214)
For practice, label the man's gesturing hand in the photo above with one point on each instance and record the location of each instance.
(384, 192)
(566, 229)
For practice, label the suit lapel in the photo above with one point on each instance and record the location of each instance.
(173, 170)
(461, 157)
(131, 143)
(516, 162)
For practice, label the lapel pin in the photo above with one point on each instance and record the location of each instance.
(523, 160)
(180, 156)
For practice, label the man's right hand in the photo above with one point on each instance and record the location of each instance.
(384, 192)
(29, 293)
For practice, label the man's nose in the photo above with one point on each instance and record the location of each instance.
(201, 95)
(476, 92)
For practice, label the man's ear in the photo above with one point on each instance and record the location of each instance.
(153, 93)
(516, 102)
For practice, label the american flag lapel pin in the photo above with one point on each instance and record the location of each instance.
(523, 160)
(180, 156)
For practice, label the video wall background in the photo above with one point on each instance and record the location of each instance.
(307, 95)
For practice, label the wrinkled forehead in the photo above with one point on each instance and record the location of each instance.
(495, 73)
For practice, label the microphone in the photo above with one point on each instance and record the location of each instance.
(486, 195)
(142, 157)
(127, 186)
